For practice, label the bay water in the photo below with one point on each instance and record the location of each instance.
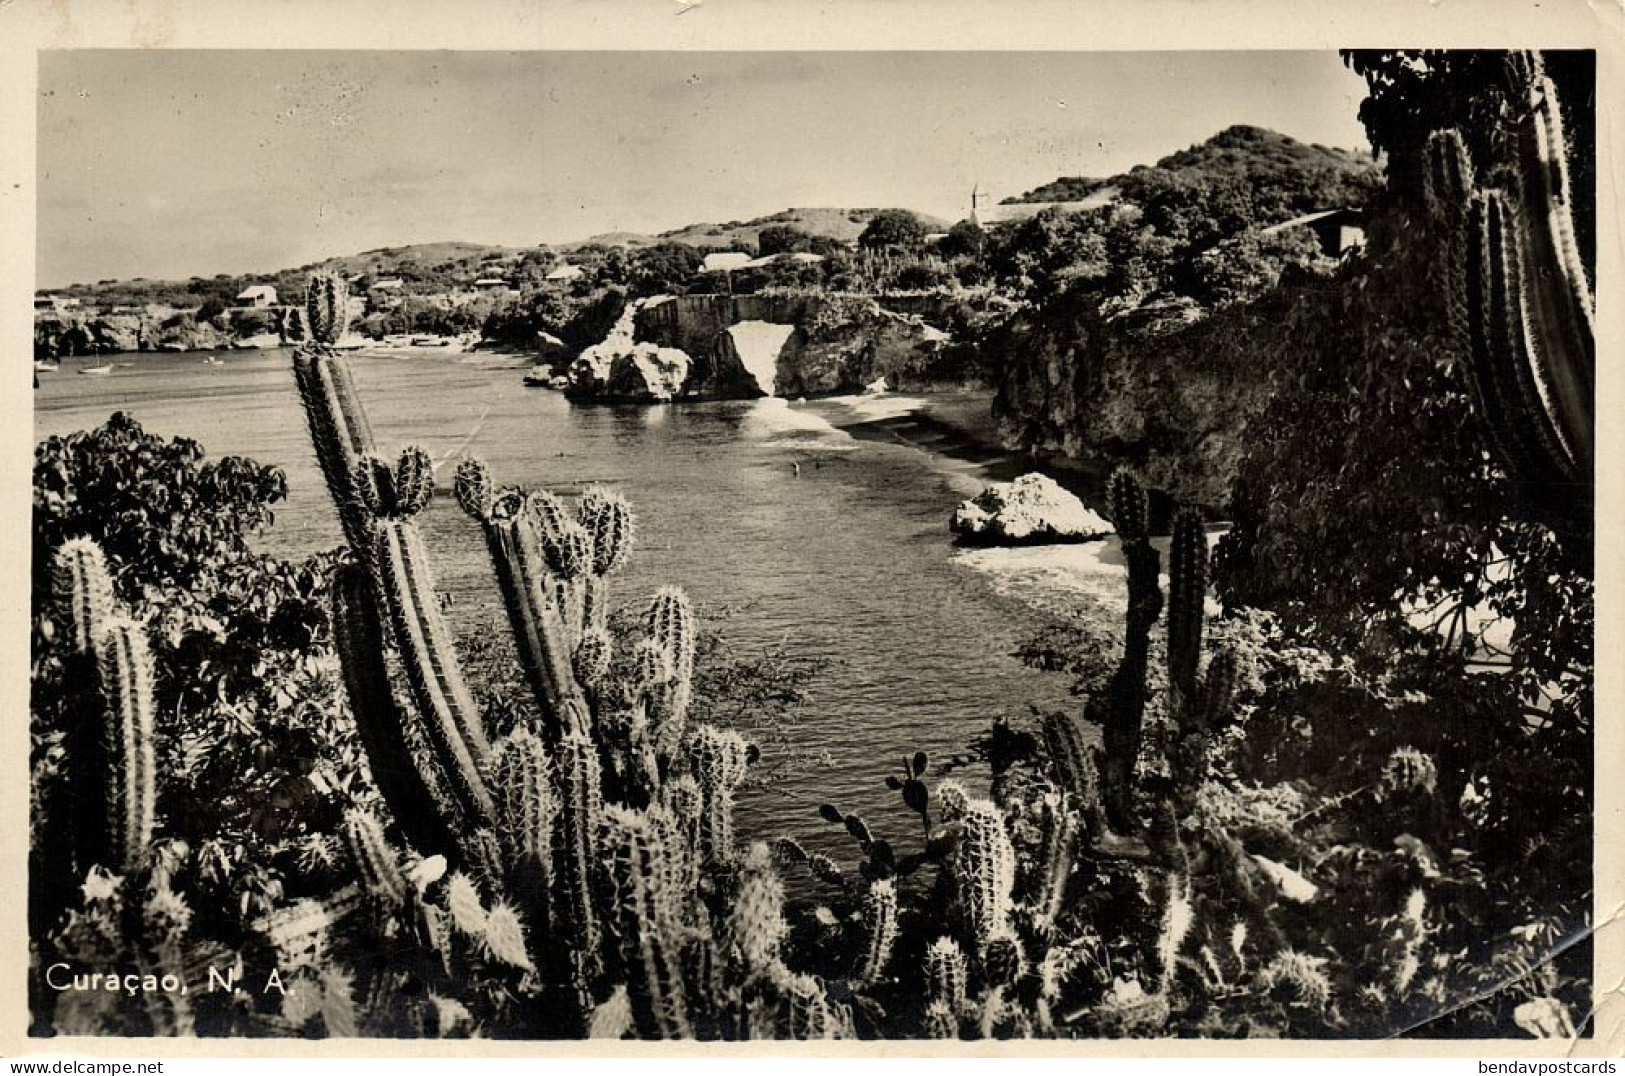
(785, 530)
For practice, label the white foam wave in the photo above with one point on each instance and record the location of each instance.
(772, 418)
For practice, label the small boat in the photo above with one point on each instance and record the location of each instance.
(43, 367)
(213, 360)
(97, 371)
(428, 341)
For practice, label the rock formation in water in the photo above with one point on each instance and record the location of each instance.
(623, 370)
(1031, 510)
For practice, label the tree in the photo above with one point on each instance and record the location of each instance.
(212, 307)
(239, 641)
(966, 239)
(893, 229)
(780, 239)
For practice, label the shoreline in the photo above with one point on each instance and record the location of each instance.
(1063, 581)
(957, 425)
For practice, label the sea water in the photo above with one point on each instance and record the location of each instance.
(846, 557)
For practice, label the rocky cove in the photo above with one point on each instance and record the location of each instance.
(746, 346)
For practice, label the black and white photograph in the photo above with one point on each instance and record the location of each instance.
(768, 545)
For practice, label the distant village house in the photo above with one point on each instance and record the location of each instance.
(565, 273)
(257, 297)
(1338, 230)
(492, 283)
(725, 261)
(45, 302)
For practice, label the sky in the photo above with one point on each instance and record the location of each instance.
(170, 164)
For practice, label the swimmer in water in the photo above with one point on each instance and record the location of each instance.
(795, 465)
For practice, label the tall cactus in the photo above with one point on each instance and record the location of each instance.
(719, 760)
(125, 671)
(120, 763)
(1187, 589)
(1123, 714)
(83, 591)
(1520, 303)
(984, 872)
(647, 926)
(516, 535)
(879, 930)
(576, 860)
(451, 717)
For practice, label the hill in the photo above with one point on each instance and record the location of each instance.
(1279, 174)
(843, 225)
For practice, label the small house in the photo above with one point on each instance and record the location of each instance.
(724, 261)
(491, 283)
(257, 297)
(564, 273)
(1338, 230)
(47, 303)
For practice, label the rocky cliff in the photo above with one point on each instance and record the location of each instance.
(60, 335)
(1168, 398)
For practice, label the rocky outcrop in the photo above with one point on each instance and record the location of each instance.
(1031, 510)
(837, 343)
(623, 370)
(58, 336)
(1172, 400)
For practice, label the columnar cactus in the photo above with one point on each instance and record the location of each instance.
(948, 974)
(406, 773)
(1520, 304)
(516, 535)
(576, 860)
(327, 308)
(452, 720)
(375, 861)
(83, 591)
(647, 926)
(119, 763)
(527, 811)
(670, 624)
(879, 930)
(756, 925)
(984, 871)
(125, 672)
(719, 760)
(1059, 826)
(1123, 713)
(1187, 589)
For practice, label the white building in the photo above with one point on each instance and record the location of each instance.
(257, 296)
(565, 273)
(725, 261)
